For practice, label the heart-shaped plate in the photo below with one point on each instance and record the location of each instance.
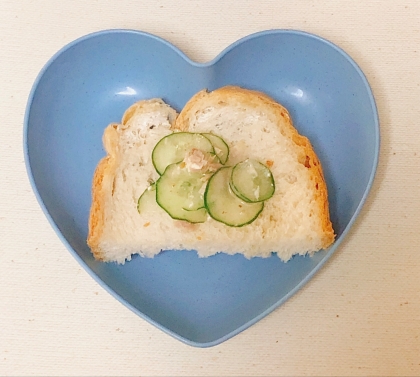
(90, 82)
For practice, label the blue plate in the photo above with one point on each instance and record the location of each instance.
(90, 82)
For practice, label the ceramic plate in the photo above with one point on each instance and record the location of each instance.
(90, 82)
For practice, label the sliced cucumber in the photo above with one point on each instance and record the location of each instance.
(224, 206)
(252, 181)
(181, 193)
(194, 209)
(173, 148)
(147, 200)
(221, 149)
(198, 216)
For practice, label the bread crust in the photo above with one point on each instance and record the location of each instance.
(255, 99)
(101, 188)
(96, 217)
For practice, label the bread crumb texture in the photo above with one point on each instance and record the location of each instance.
(294, 221)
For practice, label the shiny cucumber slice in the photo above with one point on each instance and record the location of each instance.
(174, 147)
(147, 200)
(252, 181)
(224, 206)
(181, 193)
(221, 149)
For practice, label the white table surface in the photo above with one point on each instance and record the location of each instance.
(360, 315)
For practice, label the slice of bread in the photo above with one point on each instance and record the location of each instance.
(294, 221)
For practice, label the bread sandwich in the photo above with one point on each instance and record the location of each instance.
(229, 173)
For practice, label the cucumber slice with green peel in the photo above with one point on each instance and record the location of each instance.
(237, 193)
(147, 200)
(181, 193)
(198, 216)
(221, 149)
(224, 206)
(189, 210)
(252, 181)
(174, 147)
